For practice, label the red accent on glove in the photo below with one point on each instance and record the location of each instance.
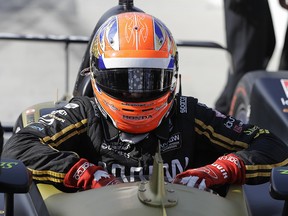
(226, 169)
(87, 175)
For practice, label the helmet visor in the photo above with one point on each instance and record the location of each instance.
(134, 84)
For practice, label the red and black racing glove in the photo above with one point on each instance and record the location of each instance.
(86, 175)
(226, 169)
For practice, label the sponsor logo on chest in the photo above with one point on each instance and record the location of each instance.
(173, 143)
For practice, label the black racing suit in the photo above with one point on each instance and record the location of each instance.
(192, 136)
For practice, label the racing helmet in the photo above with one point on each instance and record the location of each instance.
(134, 66)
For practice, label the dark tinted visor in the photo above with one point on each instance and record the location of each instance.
(134, 84)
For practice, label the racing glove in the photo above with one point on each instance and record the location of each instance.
(226, 169)
(86, 175)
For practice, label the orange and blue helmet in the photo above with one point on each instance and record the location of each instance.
(134, 66)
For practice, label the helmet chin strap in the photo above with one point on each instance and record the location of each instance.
(132, 138)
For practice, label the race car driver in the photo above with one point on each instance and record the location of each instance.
(134, 73)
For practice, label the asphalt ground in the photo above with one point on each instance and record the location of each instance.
(32, 73)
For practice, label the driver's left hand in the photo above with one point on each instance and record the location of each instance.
(226, 169)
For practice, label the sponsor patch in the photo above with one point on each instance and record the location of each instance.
(250, 131)
(38, 128)
(183, 104)
(229, 123)
(171, 169)
(173, 143)
(71, 106)
(120, 150)
(49, 119)
(234, 125)
(61, 112)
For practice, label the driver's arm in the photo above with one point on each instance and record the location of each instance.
(246, 152)
(54, 148)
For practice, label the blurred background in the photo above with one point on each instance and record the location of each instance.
(34, 72)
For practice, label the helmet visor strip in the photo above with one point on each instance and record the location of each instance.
(134, 84)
